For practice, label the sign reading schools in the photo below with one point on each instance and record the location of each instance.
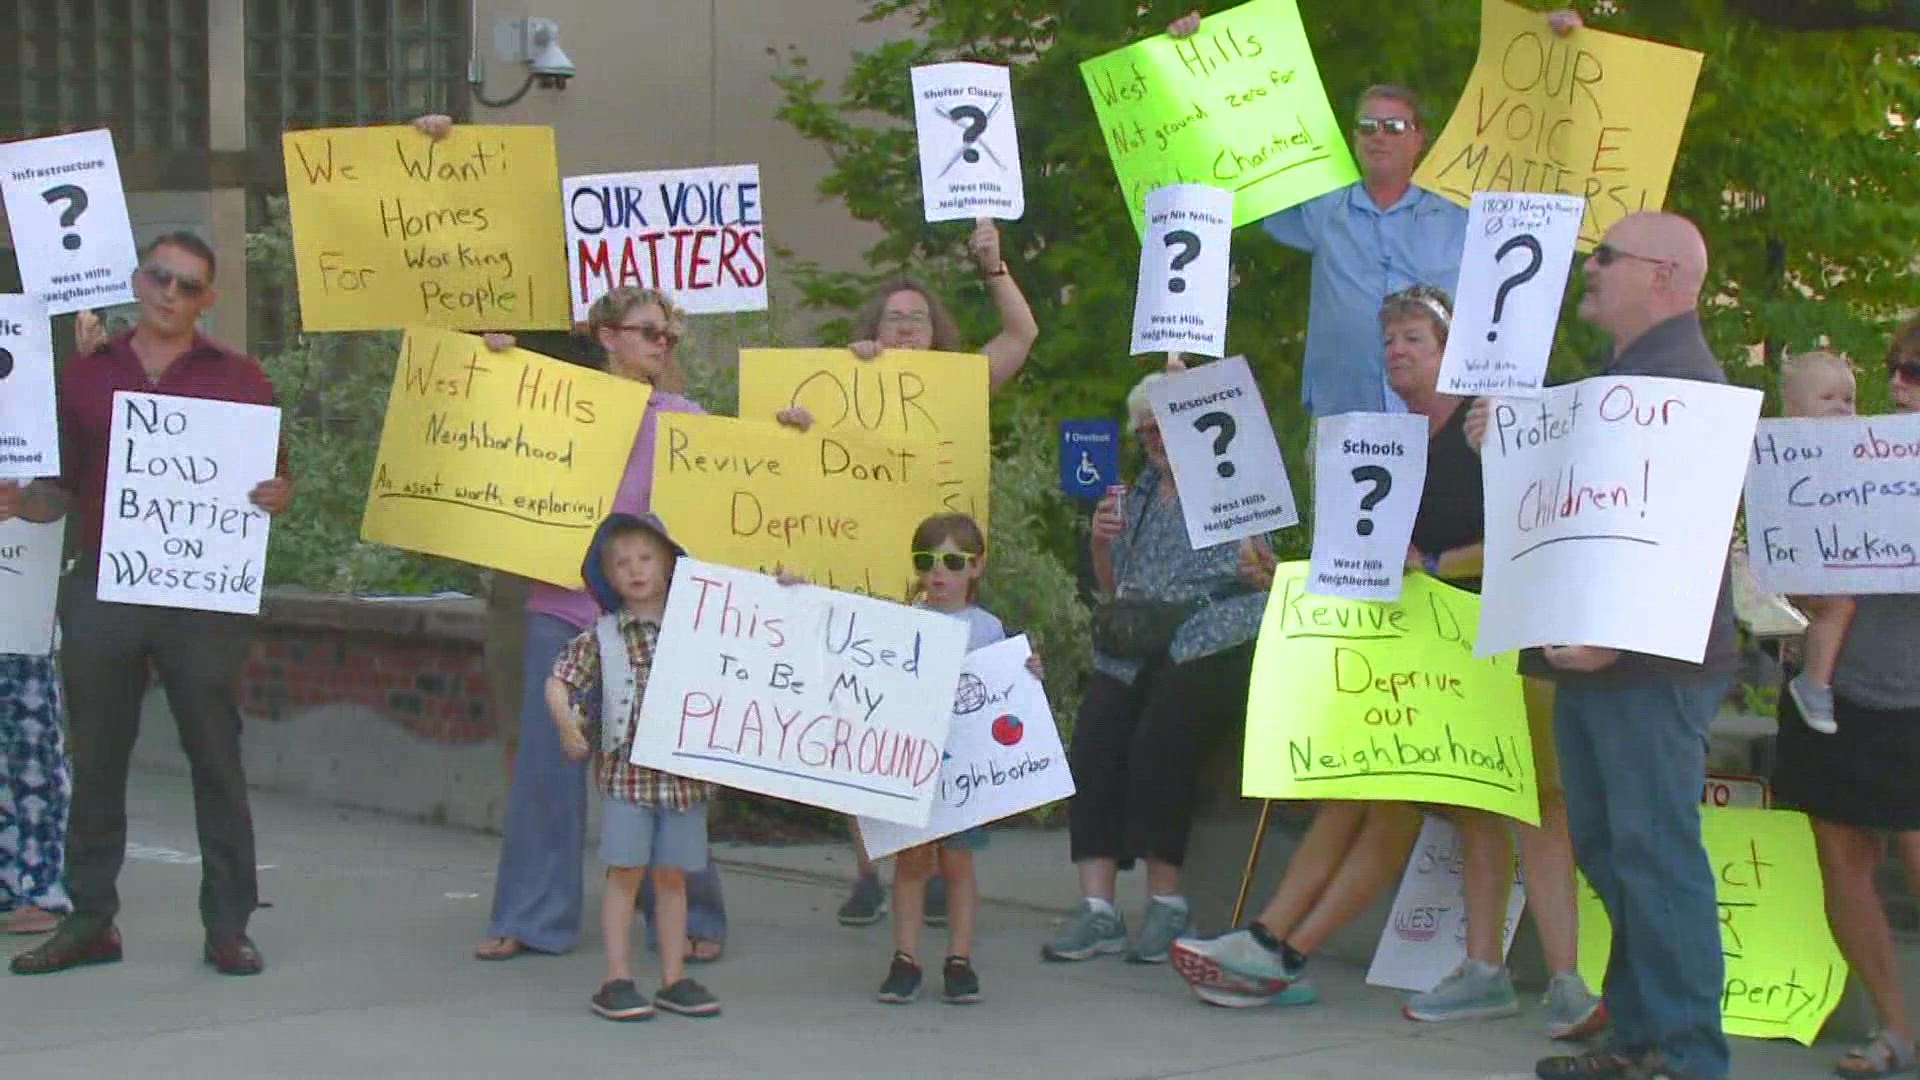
(393, 229)
(29, 584)
(1353, 699)
(694, 234)
(1591, 114)
(29, 428)
(1371, 470)
(1833, 505)
(504, 459)
(1238, 105)
(68, 213)
(801, 693)
(1220, 444)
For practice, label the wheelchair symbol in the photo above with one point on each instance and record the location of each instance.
(1087, 474)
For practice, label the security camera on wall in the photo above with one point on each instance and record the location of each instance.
(551, 66)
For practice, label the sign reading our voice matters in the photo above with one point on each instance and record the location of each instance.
(694, 234)
(1833, 505)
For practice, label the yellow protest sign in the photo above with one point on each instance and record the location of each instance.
(503, 459)
(1592, 114)
(939, 399)
(835, 507)
(1784, 974)
(393, 229)
(1360, 699)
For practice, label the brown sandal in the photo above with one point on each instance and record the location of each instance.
(703, 950)
(499, 948)
(32, 920)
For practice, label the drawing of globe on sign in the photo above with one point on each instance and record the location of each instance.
(971, 695)
(1008, 730)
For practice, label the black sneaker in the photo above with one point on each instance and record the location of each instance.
(688, 998)
(621, 1000)
(962, 982)
(935, 913)
(903, 981)
(867, 904)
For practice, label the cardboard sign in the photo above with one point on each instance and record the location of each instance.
(29, 422)
(1608, 501)
(1426, 933)
(1370, 470)
(1592, 114)
(1220, 443)
(68, 212)
(392, 229)
(1238, 105)
(29, 584)
(1512, 277)
(801, 693)
(1352, 699)
(969, 148)
(694, 234)
(836, 508)
(1784, 974)
(1833, 505)
(1089, 457)
(923, 397)
(1181, 302)
(502, 459)
(180, 528)
(1003, 753)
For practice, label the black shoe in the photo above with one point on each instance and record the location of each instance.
(621, 1000)
(867, 904)
(935, 912)
(903, 981)
(1604, 1064)
(962, 982)
(688, 998)
(64, 950)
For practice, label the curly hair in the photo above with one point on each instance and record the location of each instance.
(866, 324)
(613, 308)
(1905, 346)
(1419, 302)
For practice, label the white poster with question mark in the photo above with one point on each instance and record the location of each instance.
(1513, 274)
(1181, 302)
(969, 149)
(1225, 459)
(29, 430)
(1369, 472)
(68, 213)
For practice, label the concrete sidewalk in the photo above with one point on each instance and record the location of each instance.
(368, 975)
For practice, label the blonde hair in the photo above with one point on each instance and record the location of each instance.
(1139, 404)
(1796, 369)
(614, 306)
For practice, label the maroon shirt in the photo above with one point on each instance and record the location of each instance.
(88, 382)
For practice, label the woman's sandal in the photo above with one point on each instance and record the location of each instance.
(1878, 1058)
(499, 948)
(32, 920)
(703, 950)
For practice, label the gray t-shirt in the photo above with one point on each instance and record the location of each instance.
(1880, 663)
(984, 628)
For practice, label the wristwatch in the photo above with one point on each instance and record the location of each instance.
(1430, 562)
(999, 271)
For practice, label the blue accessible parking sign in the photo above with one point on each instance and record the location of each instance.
(1089, 457)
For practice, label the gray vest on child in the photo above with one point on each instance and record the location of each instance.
(619, 690)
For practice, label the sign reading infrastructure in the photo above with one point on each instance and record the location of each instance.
(1833, 505)
(68, 212)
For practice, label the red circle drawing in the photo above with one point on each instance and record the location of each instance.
(1007, 730)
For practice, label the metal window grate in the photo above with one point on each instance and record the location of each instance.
(139, 68)
(333, 63)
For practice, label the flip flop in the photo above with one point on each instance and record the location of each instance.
(499, 948)
(32, 920)
(1878, 1058)
(703, 950)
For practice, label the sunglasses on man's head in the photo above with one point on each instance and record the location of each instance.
(164, 279)
(1392, 125)
(1607, 255)
(651, 334)
(955, 561)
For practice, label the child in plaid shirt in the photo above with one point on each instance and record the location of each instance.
(648, 819)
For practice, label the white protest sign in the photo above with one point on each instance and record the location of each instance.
(68, 213)
(801, 693)
(1003, 752)
(29, 584)
(1609, 513)
(694, 234)
(1426, 933)
(1512, 276)
(180, 528)
(1181, 302)
(29, 429)
(1220, 443)
(1833, 505)
(969, 149)
(1369, 472)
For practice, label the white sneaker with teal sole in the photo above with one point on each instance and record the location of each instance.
(1573, 1011)
(1089, 932)
(1476, 990)
(1233, 962)
(1298, 992)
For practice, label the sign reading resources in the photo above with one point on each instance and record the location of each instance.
(1833, 505)
(694, 234)
(504, 459)
(68, 213)
(1512, 276)
(836, 508)
(933, 398)
(1354, 699)
(801, 693)
(29, 584)
(1003, 752)
(29, 428)
(1238, 105)
(1180, 304)
(180, 528)
(1592, 114)
(1784, 974)
(969, 147)
(392, 229)
(1370, 470)
(1426, 933)
(1608, 499)
(1220, 444)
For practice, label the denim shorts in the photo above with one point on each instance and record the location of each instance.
(636, 835)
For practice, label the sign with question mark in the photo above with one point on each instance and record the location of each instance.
(1221, 447)
(1181, 302)
(1370, 470)
(969, 148)
(1513, 275)
(29, 432)
(68, 213)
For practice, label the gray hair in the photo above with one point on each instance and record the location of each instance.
(1392, 92)
(1139, 405)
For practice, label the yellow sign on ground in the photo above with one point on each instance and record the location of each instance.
(1784, 974)
(1360, 699)
(835, 507)
(937, 399)
(392, 229)
(503, 459)
(1592, 114)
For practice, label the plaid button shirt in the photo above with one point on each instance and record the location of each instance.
(578, 665)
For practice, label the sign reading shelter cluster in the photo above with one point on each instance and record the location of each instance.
(969, 147)
(1833, 505)
(68, 212)
(29, 430)
(694, 234)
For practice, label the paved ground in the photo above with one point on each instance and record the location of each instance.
(372, 919)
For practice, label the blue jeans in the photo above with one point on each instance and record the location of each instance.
(1632, 757)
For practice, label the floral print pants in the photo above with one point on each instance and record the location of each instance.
(35, 785)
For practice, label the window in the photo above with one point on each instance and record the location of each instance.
(341, 63)
(139, 69)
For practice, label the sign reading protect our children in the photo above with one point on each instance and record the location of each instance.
(393, 229)
(1355, 699)
(1238, 105)
(503, 459)
(1591, 114)
(1833, 505)
(694, 234)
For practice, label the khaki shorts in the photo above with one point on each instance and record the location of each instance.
(1546, 761)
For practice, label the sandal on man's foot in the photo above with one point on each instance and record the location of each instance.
(1881, 1057)
(499, 948)
(703, 950)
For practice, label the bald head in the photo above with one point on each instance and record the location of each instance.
(1653, 268)
(1672, 238)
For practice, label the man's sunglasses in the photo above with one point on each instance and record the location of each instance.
(1607, 255)
(1906, 371)
(652, 335)
(955, 561)
(1392, 125)
(164, 279)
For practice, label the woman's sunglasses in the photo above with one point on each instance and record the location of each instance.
(652, 335)
(955, 561)
(164, 279)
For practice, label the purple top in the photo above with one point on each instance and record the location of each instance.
(634, 496)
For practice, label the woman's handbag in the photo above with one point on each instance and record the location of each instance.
(1135, 628)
